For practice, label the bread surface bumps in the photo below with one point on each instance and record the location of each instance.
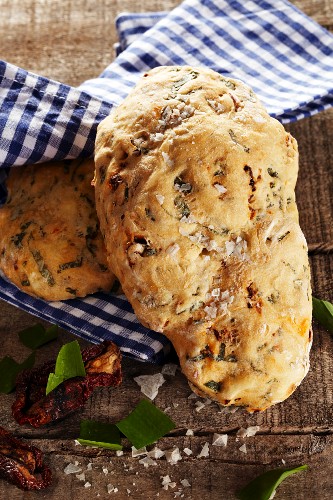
(195, 194)
(50, 243)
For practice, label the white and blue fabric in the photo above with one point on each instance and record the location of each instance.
(282, 54)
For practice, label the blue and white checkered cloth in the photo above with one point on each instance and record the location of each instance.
(282, 54)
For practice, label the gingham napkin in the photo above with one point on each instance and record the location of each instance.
(283, 55)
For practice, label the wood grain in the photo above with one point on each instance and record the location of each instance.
(42, 36)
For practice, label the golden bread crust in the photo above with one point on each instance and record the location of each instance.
(195, 194)
(50, 243)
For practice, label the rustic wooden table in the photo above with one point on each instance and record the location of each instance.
(72, 40)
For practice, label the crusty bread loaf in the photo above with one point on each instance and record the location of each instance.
(50, 243)
(195, 194)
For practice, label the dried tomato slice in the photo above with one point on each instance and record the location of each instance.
(103, 368)
(19, 462)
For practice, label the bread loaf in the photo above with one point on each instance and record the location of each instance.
(50, 243)
(195, 195)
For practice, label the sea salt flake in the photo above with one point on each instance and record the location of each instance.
(169, 369)
(119, 453)
(243, 448)
(230, 247)
(111, 489)
(173, 456)
(173, 249)
(221, 189)
(249, 432)
(105, 470)
(89, 466)
(87, 485)
(185, 483)
(205, 451)
(81, 477)
(206, 258)
(183, 231)
(150, 384)
(72, 469)
(190, 432)
(139, 452)
(146, 461)
(156, 453)
(199, 406)
(187, 451)
(220, 440)
(160, 198)
(167, 159)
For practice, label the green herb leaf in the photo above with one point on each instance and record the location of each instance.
(99, 434)
(36, 336)
(69, 364)
(145, 424)
(323, 312)
(263, 486)
(9, 369)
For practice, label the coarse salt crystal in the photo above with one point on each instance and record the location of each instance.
(220, 440)
(81, 477)
(89, 466)
(173, 456)
(189, 432)
(187, 451)
(185, 483)
(146, 461)
(173, 249)
(230, 247)
(243, 448)
(72, 469)
(249, 432)
(199, 406)
(119, 453)
(156, 453)
(215, 292)
(139, 452)
(205, 451)
(193, 395)
(160, 198)
(169, 369)
(157, 137)
(167, 159)
(111, 489)
(183, 231)
(149, 384)
(221, 189)
(283, 461)
(105, 470)
(87, 485)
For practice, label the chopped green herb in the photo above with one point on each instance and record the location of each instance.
(69, 364)
(149, 214)
(42, 268)
(263, 486)
(214, 386)
(272, 172)
(103, 435)
(235, 140)
(280, 238)
(221, 354)
(182, 206)
(228, 83)
(323, 312)
(9, 370)
(71, 265)
(145, 424)
(36, 336)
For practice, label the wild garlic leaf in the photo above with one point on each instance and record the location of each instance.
(323, 312)
(263, 486)
(69, 364)
(36, 336)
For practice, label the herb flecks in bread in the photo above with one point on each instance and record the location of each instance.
(50, 243)
(201, 229)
